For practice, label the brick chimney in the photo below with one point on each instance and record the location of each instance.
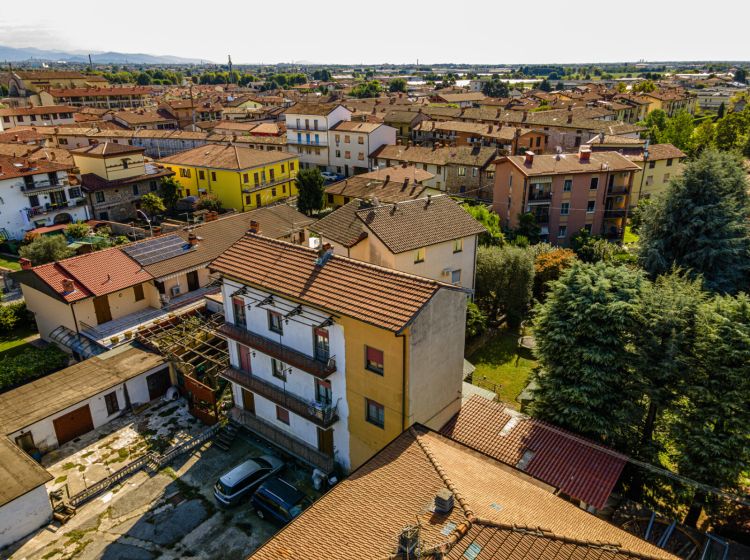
(584, 154)
(192, 239)
(254, 227)
(529, 159)
(25, 263)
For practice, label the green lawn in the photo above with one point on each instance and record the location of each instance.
(629, 236)
(12, 345)
(9, 262)
(500, 361)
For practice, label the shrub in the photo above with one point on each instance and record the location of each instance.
(14, 315)
(476, 320)
(30, 364)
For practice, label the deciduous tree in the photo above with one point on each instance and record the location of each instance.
(310, 189)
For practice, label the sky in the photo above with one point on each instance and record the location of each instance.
(387, 31)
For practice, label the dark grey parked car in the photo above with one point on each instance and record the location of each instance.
(243, 479)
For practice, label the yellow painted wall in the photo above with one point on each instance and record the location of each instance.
(658, 185)
(111, 168)
(236, 189)
(366, 439)
(49, 312)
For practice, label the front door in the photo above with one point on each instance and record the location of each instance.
(157, 384)
(325, 441)
(244, 353)
(192, 280)
(248, 401)
(101, 308)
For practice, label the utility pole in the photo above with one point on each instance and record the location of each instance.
(229, 78)
(91, 64)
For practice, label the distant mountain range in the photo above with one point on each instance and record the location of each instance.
(12, 54)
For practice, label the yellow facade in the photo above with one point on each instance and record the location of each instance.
(112, 168)
(654, 180)
(389, 390)
(240, 189)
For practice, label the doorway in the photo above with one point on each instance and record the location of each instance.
(102, 310)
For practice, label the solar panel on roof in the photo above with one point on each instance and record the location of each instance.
(158, 249)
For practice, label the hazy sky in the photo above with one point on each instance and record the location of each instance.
(358, 31)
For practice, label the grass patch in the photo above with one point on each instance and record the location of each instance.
(68, 466)
(51, 553)
(61, 479)
(15, 344)
(87, 454)
(6, 261)
(502, 362)
(170, 472)
(629, 237)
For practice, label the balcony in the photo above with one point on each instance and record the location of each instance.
(303, 127)
(285, 441)
(44, 186)
(540, 196)
(304, 142)
(323, 415)
(618, 190)
(252, 187)
(615, 212)
(318, 368)
(541, 217)
(52, 208)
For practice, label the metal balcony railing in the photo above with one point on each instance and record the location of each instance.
(54, 207)
(294, 358)
(322, 414)
(540, 196)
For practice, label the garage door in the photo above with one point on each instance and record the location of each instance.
(73, 424)
(158, 383)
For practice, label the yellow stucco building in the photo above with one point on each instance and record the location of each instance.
(659, 164)
(241, 178)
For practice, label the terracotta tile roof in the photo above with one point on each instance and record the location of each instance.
(400, 116)
(461, 97)
(356, 126)
(93, 274)
(362, 187)
(497, 512)
(92, 182)
(35, 152)
(50, 109)
(661, 151)
(419, 223)
(321, 109)
(107, 149)
(57, 75)
(398, 173)
(546, 164)
(385, 298)
(226, 157)
(342, 225)
(456, 155)
(100, 91)
(578, 467)
(12, 167)
(143, 117)
(215, 237)
(21, 134)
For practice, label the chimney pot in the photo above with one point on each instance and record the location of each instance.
(529, 158)
(192, 239)
(68, 285)
(25, 263)
(584, 154)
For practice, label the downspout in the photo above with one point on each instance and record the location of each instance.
(75, 320)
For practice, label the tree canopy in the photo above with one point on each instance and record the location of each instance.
(46, 249)
(310, 187)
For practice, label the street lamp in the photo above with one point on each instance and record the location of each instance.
(148, 221)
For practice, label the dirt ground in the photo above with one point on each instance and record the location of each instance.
(170, 514)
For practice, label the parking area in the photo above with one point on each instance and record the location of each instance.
(169, 514)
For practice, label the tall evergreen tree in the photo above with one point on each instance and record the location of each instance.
(711, 436)
(310, 187)
(583, 335)
(504, 281)
(701, 224)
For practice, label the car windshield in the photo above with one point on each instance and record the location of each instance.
(223, 488)
(263, 464)
(294, 511)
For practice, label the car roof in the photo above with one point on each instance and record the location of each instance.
(282, 490)
(239, 472)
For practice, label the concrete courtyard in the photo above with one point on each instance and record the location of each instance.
(170, 514)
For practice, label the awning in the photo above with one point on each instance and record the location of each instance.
(84, 347)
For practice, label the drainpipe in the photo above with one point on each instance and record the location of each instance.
(403, 381)
(75, 321)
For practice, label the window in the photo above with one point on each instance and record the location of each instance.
(347, 154)
(458, 245)
(649, 180)
(510, 180)
(587, 227)
(347, 139)
(591, 206)
(474, 171)
(456, 276)
(330, 198)
(278, 369)
(291, 166)
(275, 322)
(99, 196)
(594, 183)
(110, 399)
(138, 292)
(462, 172)
(201, 174)
(246, 177)
(213, 175)
(323, 392)
(152, 186)
(62, 141)
(666, 177)
(651, 164)
(238, 306)
(6, 119)
(562, 231)
(136, 191)
(360, 140)
(184, 173)
(273, 191)
(74, 192)
(361, 156)
(564, 208)
(669, 162)
(338, 138)
(375, 413)
(322, 346)
(374, 360)
(338, 153)
(419, 255)
(568, 185)
(282, 415)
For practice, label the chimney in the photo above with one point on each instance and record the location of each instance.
(429, 199)
(254, 227)
(408, 541)
(525, 116)
(570, 118)
(68, 286)
(192, 239)
(324, 253)
(25, 263)
(529, 158)
(584, 154)
(444, 501)
(387, 178)
(53, 156)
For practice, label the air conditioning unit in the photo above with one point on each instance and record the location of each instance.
(175, 290)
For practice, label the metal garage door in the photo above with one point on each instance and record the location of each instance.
(73, 424)
(158, 383)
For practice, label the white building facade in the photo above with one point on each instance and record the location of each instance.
(307, 127)
(351, 144)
